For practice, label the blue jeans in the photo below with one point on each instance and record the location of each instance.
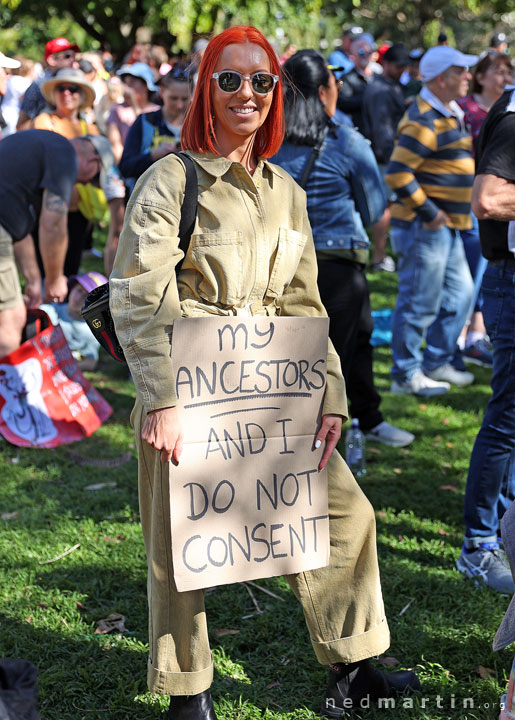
(477, 263)
(435, 293)
(491, 476)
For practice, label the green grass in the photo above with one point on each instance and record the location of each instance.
(267, 670)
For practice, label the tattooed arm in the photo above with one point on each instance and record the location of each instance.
(53, 243)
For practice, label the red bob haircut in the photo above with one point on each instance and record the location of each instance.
(198, 132)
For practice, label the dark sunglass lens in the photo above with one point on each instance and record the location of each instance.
(71, 88)
(262, 82)
(229, 81)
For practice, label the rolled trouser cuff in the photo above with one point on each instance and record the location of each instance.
(354, 648)
(179, 683)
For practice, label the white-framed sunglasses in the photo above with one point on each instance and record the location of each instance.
(230, 81)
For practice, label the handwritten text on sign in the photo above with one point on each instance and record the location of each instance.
(247, 500)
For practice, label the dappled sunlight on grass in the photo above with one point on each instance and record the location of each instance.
(441, 623)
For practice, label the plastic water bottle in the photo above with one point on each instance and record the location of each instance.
(355, 449)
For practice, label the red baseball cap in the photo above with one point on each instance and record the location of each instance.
(382, 49)
(58, 45)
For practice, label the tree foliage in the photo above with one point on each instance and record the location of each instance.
(308, 23)
(110, 24)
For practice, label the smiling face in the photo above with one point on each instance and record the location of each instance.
(239, 115)
(495, 79)
(68, 98)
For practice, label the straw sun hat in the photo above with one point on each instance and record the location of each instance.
(70, 76)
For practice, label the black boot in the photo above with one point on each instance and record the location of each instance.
(355, 686)
(192, 707)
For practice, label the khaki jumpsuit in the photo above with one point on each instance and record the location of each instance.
(251, 253)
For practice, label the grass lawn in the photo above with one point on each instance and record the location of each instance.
(440, 623)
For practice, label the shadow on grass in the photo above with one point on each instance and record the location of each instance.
(269, 664)
(48, 487)
(81, 677)
(403, 492)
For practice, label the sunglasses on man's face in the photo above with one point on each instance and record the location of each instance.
(72, 88)
(65, 55)
(230, 81)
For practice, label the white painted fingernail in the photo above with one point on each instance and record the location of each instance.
(317, 444)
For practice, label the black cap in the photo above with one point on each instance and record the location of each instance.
(497, 39)
(442, 37)
(397, 54)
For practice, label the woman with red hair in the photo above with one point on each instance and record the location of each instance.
(250, 253)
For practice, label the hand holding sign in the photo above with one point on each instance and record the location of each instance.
(330, 432)
(162, 431)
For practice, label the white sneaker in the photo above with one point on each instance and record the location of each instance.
(387, 264)
(419, 384)
(448, 373)
(389, 435)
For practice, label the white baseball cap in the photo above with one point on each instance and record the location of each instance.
(7, 62)
(439, 59)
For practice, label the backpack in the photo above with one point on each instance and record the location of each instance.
(96, 310)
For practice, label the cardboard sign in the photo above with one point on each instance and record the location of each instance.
(45, 400)
(247, 500)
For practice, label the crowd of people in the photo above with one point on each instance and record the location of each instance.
(383, 141)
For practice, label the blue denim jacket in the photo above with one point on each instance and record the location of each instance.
(345, 190)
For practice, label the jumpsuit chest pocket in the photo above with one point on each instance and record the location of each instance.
(218, 258)
(290, 246)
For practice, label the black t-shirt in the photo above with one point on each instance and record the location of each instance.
(496, 156)
(32, 161)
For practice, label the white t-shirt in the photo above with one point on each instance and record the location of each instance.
(16, 86)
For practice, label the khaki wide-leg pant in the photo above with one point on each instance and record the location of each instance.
(342, 602)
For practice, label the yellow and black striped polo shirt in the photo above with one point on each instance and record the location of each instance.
(431, 167)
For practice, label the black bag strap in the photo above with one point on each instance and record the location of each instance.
(189, 205)
(96, 310)
(308, 167)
